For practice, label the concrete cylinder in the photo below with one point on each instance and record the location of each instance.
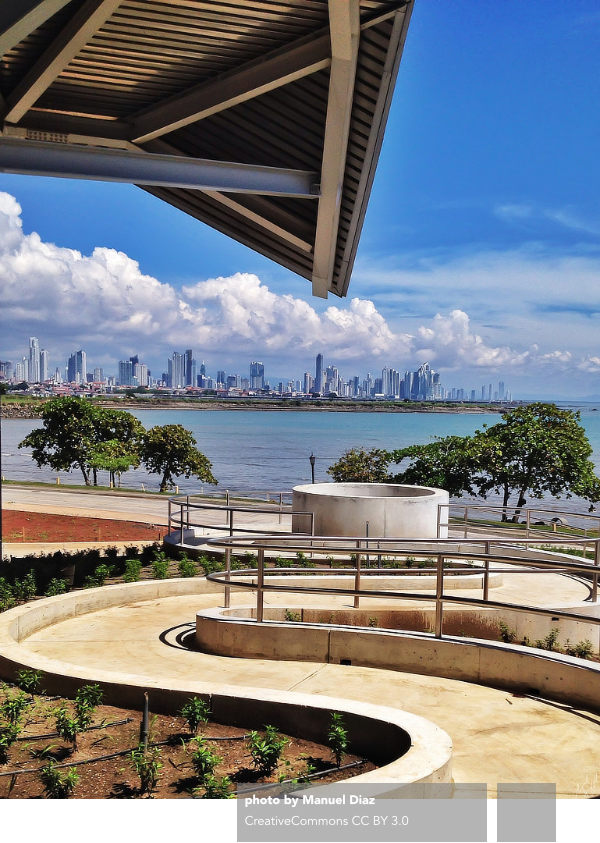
(392, 510)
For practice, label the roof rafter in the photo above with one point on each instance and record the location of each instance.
(75, 35)
(259, 76)
(19, 18)
(344, 26)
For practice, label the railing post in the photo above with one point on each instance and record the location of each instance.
(180, 522)
(260, 583)
(466, 520)
(367, 557)
(528, 522)
(596, 566)
(280, 505)
(230, 521)
(439, 521)
(439, 596)
(357, 577)
(187, 510)
(169, 520)
(227, 596)
(486, 573)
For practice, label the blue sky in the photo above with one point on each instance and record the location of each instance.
(480, 248)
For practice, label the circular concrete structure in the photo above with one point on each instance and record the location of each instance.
(390, 509)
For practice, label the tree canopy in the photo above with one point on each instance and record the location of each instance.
(171, 450)
(536, 449)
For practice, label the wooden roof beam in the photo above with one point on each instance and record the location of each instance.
(19, 18)
(345, 30)
(75, 35)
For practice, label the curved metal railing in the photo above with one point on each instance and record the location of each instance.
(354, 549)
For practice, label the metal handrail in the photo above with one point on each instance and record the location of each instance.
(441, 549)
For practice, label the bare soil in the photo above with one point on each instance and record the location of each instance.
(19, 526)
(115, 778)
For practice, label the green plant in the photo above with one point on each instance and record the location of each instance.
(372, 622)
(160, 567)
(249, 560)
(215, 788)
(29, 680)
(147, 765)
(9, 732)
(67, 727)
(293, 617)
(266, 749)
(195, 711)
(409, 561)
(187, 567)
(90, 695)
(13, 707)
(98, 578)
(204, 760)
(133, 568)
(549, 642)
(507, 635)
(7, 598)
(337, 737)
(56, 587)
(26, 588)
(583, 649)
(57, 785)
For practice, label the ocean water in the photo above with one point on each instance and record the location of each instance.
(270, 449)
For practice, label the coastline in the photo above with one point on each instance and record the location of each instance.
(32, 409)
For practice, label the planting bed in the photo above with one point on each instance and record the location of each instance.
(18, 526)
(116, 778)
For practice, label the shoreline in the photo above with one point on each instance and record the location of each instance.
(32, 409)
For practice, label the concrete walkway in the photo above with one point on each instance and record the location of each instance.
(498, 737)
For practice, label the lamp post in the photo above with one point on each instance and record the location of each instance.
(312, 466)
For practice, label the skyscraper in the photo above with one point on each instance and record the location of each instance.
(77, 367)
(34, 360)
(176, 378)
(125, 372)
(257, 375)
(43, 365)
(189, 364)
(319, 374)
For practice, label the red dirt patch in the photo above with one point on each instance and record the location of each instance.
(18, 526)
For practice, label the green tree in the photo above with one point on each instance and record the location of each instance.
(447, 463)
(115, 457)
(73, 430)
(170, 450)
(361, 466)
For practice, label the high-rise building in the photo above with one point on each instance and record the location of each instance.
(140, 374)
(176, 374)
(34, 360)
(257, 375)
(319, 374)
(126, 372)
(22, 370)
(221, 377)
(189, 364)
(308, 382)
(501, 392)
(6, 369)
(77, 367)
(43, 365)
(98, 375)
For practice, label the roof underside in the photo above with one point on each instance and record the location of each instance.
(295, 94)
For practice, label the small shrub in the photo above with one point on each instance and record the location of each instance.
(133, 568)
(194, 712)
(90, 695)
(147, 765)
(98, 578)
(29, 680)
(56, 587)
(337, 737)
(204, 760)
(13, 707)
(215, 788)
(67, 727)
(409, 561)
(549, 642)
(187, 567)
(372, 622)
(58, 785)
(266, 750)
(249, 560)
(26, 588)
(7, 598)
(282, 562)
(293, 617)
(583, 649)
(9, 732)
(507, 635)
(160, 567)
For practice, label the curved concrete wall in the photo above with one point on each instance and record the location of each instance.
(500, 665)
(409, 748)
(391, 510)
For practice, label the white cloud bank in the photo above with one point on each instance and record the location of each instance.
(104, 303)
